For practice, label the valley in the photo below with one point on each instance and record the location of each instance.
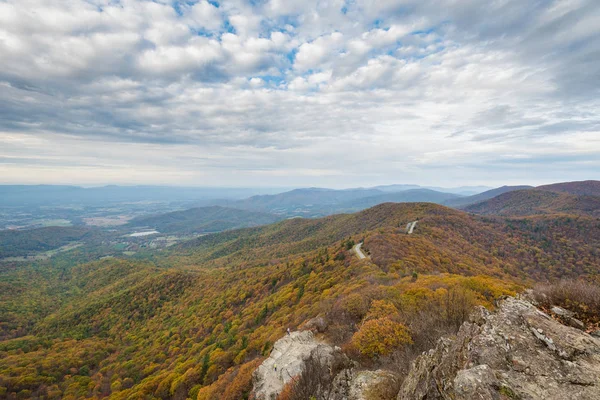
(178, 311)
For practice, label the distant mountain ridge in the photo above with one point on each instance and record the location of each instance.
(464, 201)
(548, 199)
(587, 188)
(32, 195)
(460, 190)
(308, 202)
(311, 202)
(407, 196)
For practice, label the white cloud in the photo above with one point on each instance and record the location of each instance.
(206, 16)
(312, 55)
(307, 92)
(196, 54)
(245, 25)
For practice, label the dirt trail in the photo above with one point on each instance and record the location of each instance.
(410, 227)
(359, 252)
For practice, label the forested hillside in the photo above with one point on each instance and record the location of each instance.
(204, 220)
(21, 243)
(582, 188)
(536, 202)
(194, 321)
(476, 198)
(455, 241)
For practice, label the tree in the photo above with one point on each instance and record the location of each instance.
(379, 337)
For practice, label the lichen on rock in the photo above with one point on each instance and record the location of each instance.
(286, 361)
(517, 352)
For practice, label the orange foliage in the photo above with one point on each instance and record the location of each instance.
(197, 326)
(379, 337)
(234, 384)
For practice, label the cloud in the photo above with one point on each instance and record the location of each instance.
(205, 15)
(313, 54)
(298, 92)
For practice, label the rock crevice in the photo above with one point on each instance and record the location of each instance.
(517, 352)
(286, 361)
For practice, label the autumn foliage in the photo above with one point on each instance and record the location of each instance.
(195, 321)
(379, 337)
(578, 296)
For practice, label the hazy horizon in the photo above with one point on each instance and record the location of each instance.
(266, 187)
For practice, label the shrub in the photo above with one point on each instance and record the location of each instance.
(379, 337)
(381, 309)
(581, 297)
(316, 379)
(355, 306)
(439, 315)
(386, 389)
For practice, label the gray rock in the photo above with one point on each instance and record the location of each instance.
(317, 324)
(568, 317)
(562, 312)
(351, 384)
(475, 383)
(595, 334)
(517, 352)
(286, 361)
(575, 323)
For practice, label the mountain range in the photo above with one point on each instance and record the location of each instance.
(313, 202)
(45, 195)
(578, 198)
(488, 194)
(196, 319)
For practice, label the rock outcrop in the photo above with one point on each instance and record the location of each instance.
(352, 384)
(317, 324)
(517, 352)
(338, 378)
(286, 361)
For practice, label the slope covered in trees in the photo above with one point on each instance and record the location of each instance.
(21, 243)
(178, 334)
(194, 321)
(476, 198)
(204, 219)
(582, 188)
(454, 241)
(537, 201)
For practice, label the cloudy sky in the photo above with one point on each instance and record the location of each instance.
(332, 93)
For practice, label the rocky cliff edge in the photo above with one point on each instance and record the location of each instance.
(516, 352)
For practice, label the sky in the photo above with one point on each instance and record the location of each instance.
(337, 93)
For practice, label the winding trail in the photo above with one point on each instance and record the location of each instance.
(359, 252)
(410, 227)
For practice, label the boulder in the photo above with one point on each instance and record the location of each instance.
(287, 360)
(568, 317)
(517, 352)
(561, 312)
(352, 384)
(317, 324)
